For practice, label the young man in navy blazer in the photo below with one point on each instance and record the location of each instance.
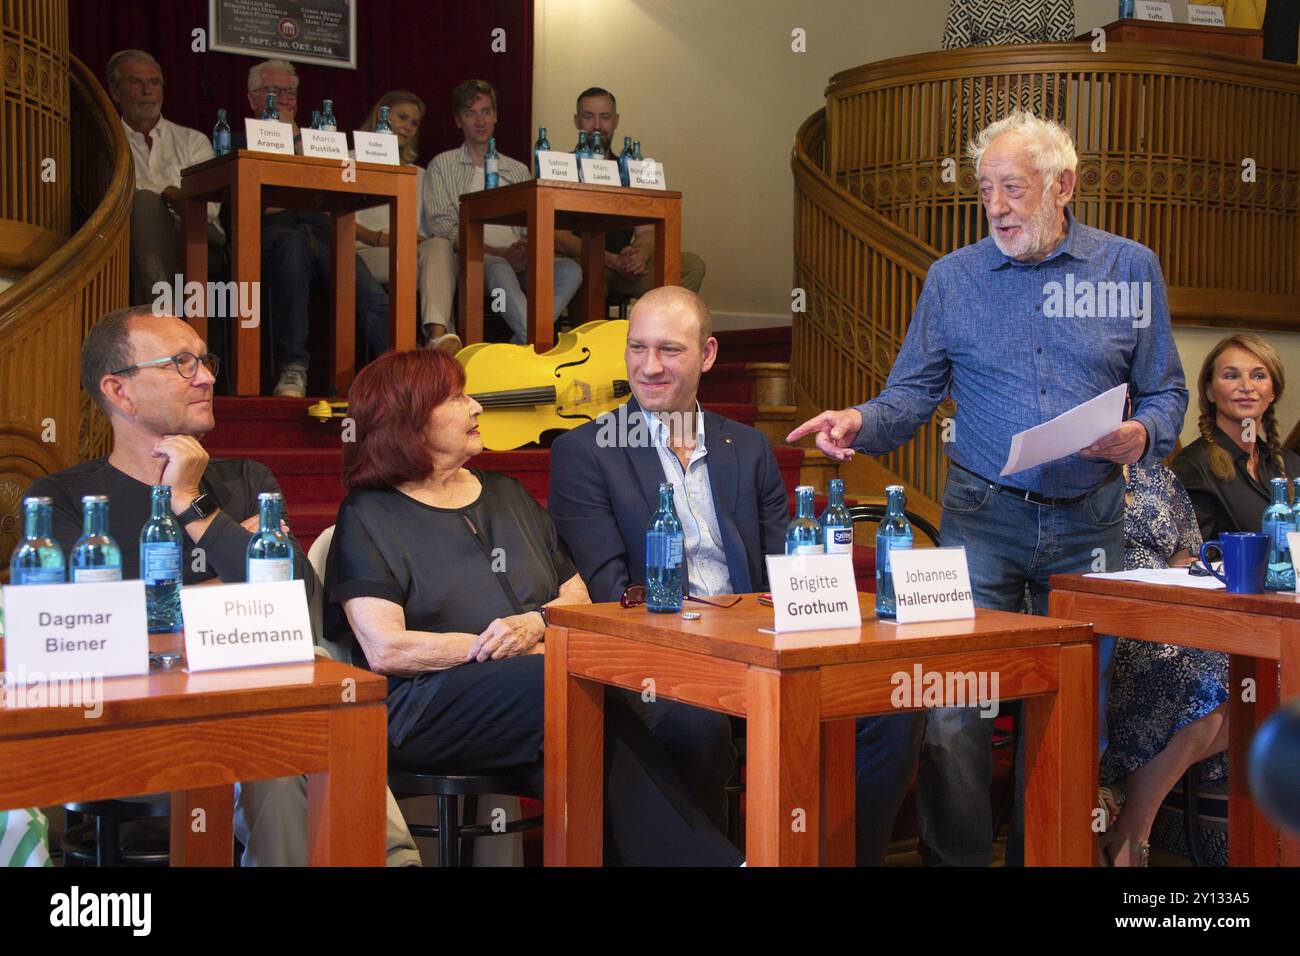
(734, 510)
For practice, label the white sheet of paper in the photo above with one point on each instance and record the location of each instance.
(1176, 576)
(1068, 432)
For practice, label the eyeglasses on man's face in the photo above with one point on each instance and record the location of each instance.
(280, 92)
(634, 596)
(186, 363)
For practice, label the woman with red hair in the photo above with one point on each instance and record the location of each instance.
(438, 574)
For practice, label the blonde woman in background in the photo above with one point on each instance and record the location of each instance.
(435, 262)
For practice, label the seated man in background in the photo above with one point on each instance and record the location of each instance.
(734, 511)
(505, 249)
(152, 376)
(296, 250)
(159, 151)
(629, 252)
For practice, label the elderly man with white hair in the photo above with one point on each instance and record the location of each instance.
(992, 330)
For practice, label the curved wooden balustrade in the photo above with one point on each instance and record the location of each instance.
(1162, 134)
(46, 421)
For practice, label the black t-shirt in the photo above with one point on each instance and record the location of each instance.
(1237, 504)
(233, 483)
(388, 545)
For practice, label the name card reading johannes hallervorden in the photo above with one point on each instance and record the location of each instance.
(376, 148)
(241, 625)
(97, 628)
(931, 584)
(813, 592)
(269, 136)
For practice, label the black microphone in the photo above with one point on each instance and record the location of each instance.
(1275, 767)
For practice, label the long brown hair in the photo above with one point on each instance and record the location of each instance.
(1220, 460)
(390, 99)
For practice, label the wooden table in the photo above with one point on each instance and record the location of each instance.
(800, 694)
(252, 181)
(1195, 36)
(195, 735)
(544, 206)
(1261, 635)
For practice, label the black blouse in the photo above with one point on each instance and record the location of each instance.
(1237, 504)
(388, 545)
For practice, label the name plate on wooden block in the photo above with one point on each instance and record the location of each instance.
(323, 143)
(1159, 12)
(600, 172)
(931, 584)
(558, 166)
(243, 625)
(813, 591)
(92, 628)
(269, 136)
(376, 148)
(645, 174)
(1205, 16)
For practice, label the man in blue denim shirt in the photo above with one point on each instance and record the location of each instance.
(1039, 317)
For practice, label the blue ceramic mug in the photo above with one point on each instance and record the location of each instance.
(1245, 560)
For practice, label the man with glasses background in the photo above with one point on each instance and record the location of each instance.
(296, 250)
(152, 376)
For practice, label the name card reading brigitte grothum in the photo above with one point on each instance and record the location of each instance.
(242, 625)
(931, 584)
(95, 628)
(813, 592)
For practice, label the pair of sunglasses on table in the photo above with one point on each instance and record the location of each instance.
(634, 596)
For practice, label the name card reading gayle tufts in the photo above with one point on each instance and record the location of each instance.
(241, 625)
(813, 591)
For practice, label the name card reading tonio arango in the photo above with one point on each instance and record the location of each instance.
(269, 136)
(813, 591)
(242, 625)
(97, 628)
(931, 584)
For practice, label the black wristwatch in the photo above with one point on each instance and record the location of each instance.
(545, 620)
(199, 508)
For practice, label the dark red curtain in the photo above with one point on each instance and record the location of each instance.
(426, 47)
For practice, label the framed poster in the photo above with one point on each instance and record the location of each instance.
(310, 31)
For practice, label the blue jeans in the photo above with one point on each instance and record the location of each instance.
(296, 250)
(1011, 545)
(886, 749)
(498, 274)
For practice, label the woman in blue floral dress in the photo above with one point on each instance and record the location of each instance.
(1166, 708)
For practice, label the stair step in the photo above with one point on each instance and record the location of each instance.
(769, 382)
(755, 345)
(726, 382)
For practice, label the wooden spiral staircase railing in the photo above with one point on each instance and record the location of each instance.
(46, 421)
(1167, 140)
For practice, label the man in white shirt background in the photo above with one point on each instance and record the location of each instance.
(159, 151)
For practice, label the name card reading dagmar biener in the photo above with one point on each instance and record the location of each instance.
(812, 592)
(242, 625)
(96, 628)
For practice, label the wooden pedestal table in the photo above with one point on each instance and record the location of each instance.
(195, 735)
(544, 206)
(800, 694)
(251, 182)
(1261, 635)
(1194, 36)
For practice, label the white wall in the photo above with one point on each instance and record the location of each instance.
(713, 90)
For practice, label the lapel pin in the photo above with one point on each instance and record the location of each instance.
(727, 440)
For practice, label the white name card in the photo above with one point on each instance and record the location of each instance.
(323, 143)
(269, 136)
(556, 165)
(242, 625)
(91, 628)
(813, 591)
(1205, 16)
(1293, 542)
(600, 172)
(931, 584)
(376, 148)
(1160, 12)
(645, 174)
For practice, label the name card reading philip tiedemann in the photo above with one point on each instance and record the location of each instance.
(242, 625)
(813, 591)
(269, 136)
(98, 628)
(931, 584)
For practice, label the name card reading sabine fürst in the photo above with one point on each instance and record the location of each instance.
(241, 625)
(269, 136)
(376, 148)
(600, 172)
(813, 592)
(931, 584)
(98, 628)
(324, 143)
(556, 165)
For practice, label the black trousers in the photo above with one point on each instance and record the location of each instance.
(488, 717)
